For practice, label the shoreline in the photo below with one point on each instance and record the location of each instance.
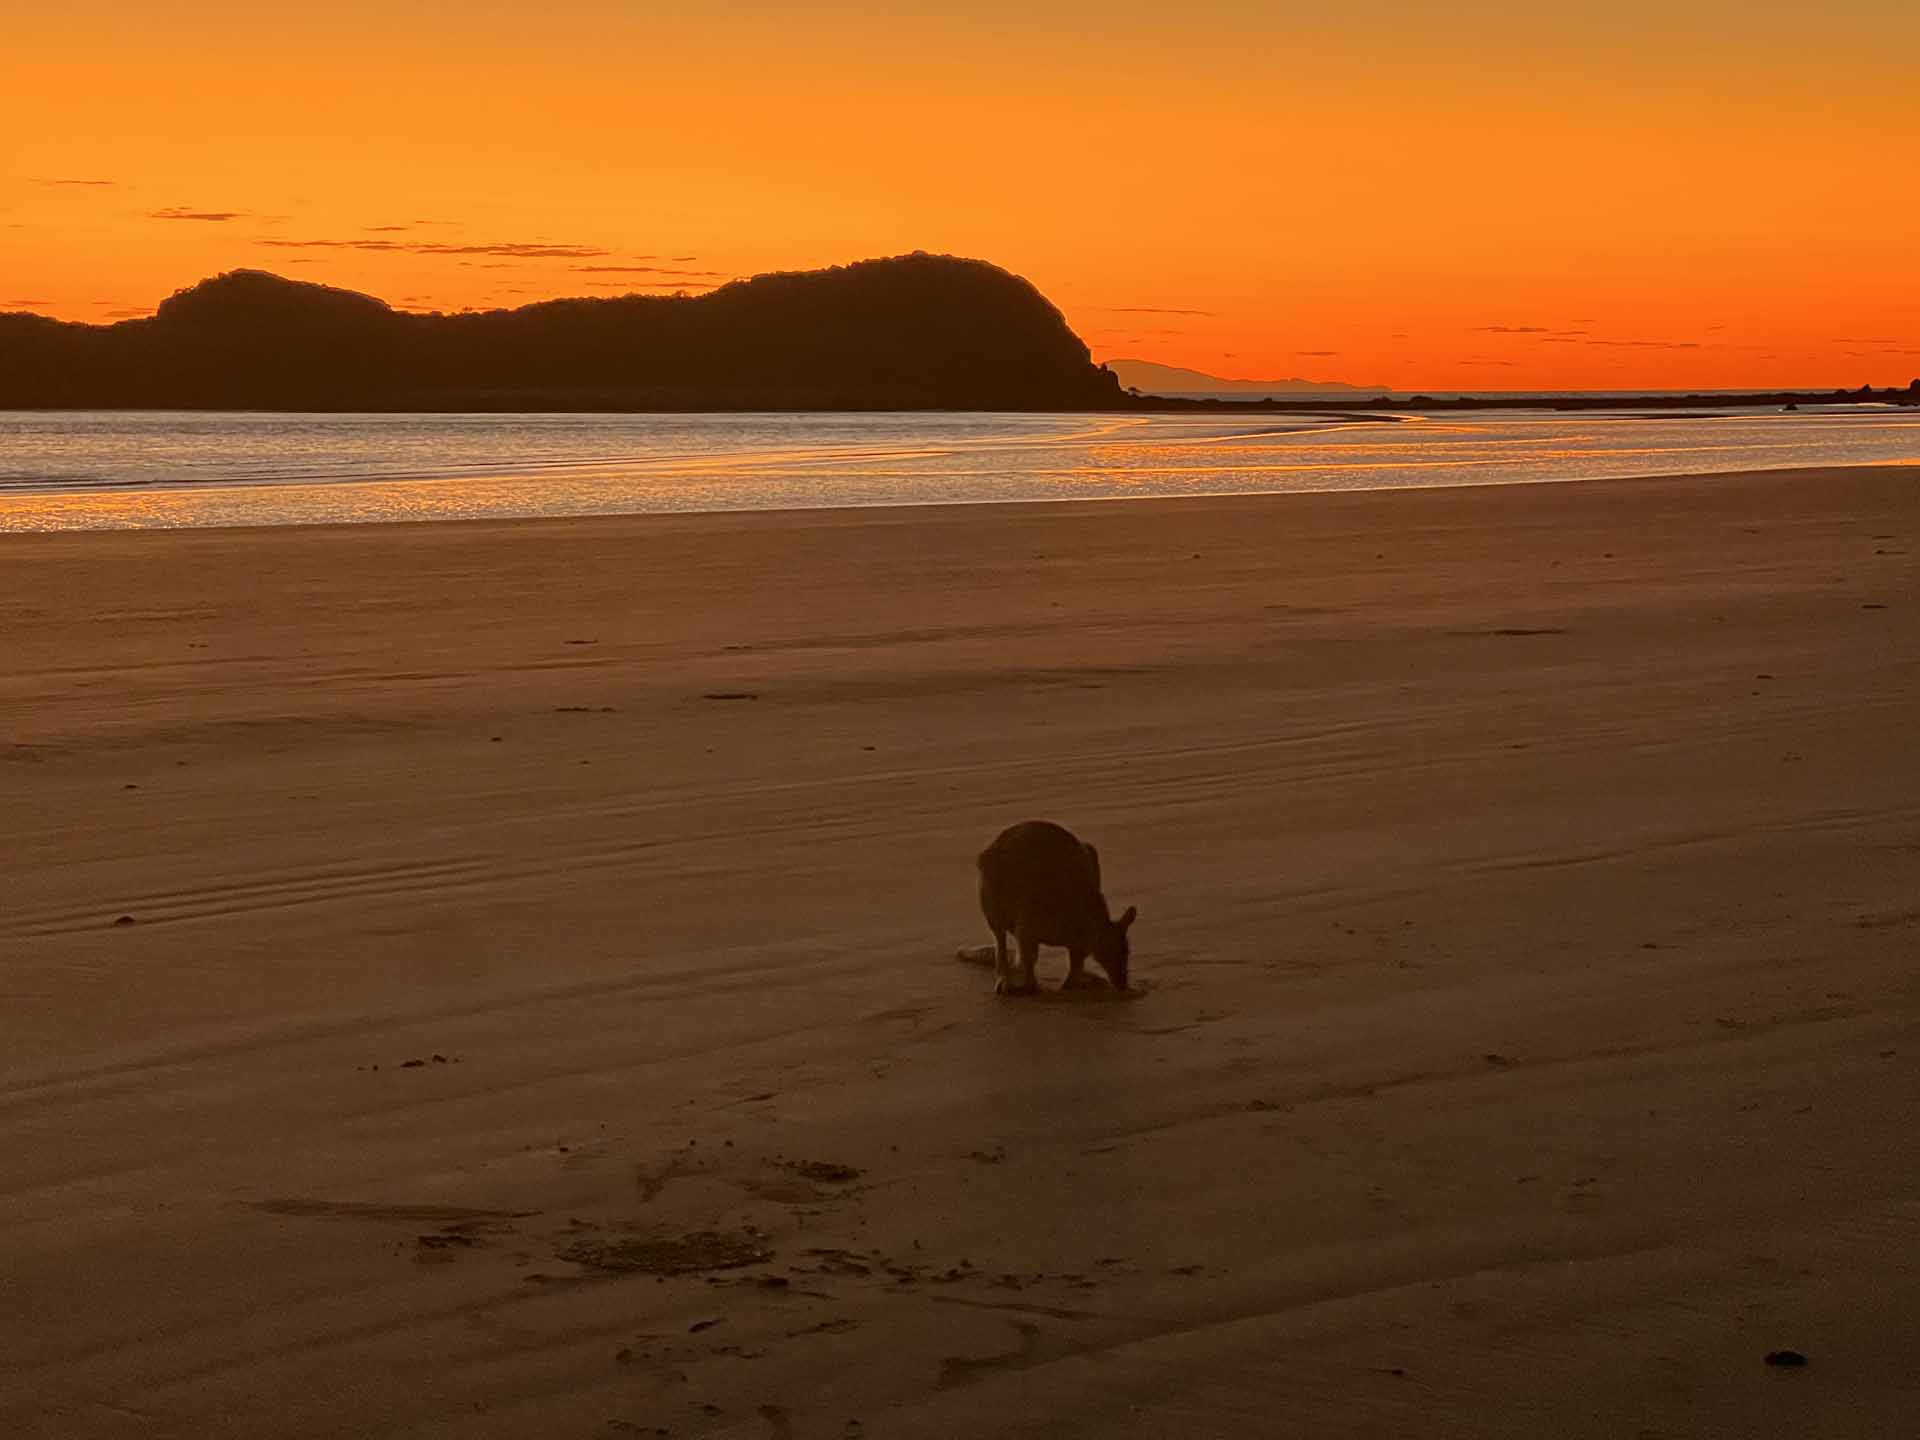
(933, 508)
(1388, 402)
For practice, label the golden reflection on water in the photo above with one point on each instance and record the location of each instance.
(156, 471)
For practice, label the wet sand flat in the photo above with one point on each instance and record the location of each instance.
(499, 979)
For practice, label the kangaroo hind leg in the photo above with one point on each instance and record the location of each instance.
(1028, 982)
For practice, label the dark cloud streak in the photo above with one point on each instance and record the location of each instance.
(1647, 344)
(516, 249)
(647, 270)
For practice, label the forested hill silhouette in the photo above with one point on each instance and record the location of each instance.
(914, 332)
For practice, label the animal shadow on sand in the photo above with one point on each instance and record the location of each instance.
(1092, 990)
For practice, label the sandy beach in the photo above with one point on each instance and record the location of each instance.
(499, 979)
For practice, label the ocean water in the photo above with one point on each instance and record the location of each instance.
(147, 469)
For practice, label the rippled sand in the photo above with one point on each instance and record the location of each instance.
(536, 1010)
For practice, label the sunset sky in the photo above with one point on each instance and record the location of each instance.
(1469, 195)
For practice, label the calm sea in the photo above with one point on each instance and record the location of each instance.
(97, 470)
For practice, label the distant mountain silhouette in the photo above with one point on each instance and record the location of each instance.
(1151, 379)
(914, 332)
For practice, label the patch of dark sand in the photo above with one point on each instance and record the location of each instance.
(839, 1325)
(965, 1369)
(446, 1240)
(682, 1255)
(827, 1172)
(447, 1215)
(1514, 630)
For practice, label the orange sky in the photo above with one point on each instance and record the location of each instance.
(1470, 195)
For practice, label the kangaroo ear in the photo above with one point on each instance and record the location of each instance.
(1128, 918)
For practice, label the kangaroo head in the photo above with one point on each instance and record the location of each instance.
(1111, 950)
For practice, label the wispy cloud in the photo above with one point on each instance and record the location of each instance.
(1317, 354)
(634, 285)
(89, 184)
(180, 212)
(1647, 344)
(23, 304)
(516, 249)
(647, 270)
(1513, 329)
(1150, 310)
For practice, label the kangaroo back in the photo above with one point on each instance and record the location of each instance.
(1037, 879)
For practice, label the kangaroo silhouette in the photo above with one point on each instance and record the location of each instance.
(1041, 884)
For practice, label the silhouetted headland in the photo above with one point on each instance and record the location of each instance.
(914, 332)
